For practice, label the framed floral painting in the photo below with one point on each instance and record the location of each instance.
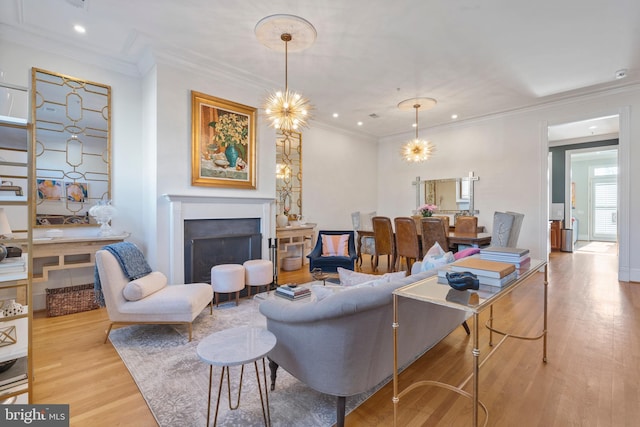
(223, 143)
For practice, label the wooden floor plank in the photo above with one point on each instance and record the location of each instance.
(592, 377)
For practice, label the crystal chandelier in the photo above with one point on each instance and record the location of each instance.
(286, 110)
(417, 150)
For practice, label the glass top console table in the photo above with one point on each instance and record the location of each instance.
(473, 302)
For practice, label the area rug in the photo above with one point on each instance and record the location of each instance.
(174, 381)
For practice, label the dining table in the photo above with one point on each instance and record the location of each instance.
(471, 239)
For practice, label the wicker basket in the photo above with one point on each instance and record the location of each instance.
(72, 299)
(291, 263)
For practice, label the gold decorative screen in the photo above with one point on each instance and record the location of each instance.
(72, 148)
(289, 172)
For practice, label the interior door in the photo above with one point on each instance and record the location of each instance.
(604, 208)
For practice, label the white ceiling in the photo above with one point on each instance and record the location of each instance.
(591, 129)
(476, 57)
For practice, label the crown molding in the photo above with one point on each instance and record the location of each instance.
(54, 45)
(557, 101)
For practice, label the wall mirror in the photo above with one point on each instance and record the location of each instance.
(289, 172)
(72, 148)
(451, 195)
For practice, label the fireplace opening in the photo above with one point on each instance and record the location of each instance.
(210, 242)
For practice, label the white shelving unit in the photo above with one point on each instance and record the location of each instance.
(16, 171)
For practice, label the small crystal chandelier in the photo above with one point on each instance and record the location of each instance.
(417, 150)
(286, 110)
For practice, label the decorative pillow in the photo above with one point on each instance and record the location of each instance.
(321, 292)
(394, 276)
(351, 278)
(371, 283)
(143, 287)
(436, 257)
(335, 245)
(466, 252)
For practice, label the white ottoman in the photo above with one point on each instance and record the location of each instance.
(227, 278)
(257, 272)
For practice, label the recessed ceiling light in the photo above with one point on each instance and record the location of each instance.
(360, 123)
(335, 115)
(414, 125)
(454, 116)
(593, 127)
(79, 29)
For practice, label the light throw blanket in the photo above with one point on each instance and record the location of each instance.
(131, 260)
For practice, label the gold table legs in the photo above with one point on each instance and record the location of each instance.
(477, 363)
(266, 414)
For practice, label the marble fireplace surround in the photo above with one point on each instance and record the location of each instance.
(184, 207)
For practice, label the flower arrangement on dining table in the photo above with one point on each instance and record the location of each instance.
(427, 210)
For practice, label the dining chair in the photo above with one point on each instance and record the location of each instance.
(365, 243)
(506, 229)
(466, 224)
(384, 242)
(446, 220)
(407, 243)
(433, 230)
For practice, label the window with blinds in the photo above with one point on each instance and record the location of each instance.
(605, 207)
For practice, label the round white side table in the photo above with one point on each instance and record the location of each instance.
(233, 347)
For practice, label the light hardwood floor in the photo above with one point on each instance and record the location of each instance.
(592, 377)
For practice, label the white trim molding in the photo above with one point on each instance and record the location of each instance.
(184, 207)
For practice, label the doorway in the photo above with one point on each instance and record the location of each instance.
(594, 198)
(584, 183)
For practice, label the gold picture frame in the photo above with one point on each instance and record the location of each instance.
(223, 147)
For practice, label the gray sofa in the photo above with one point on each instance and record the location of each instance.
(342, 345)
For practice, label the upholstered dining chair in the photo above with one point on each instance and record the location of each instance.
(446, 220)
(385, 242)
(330, 251)
(362, 223)
(466, 224)
(407, 243)
(433, 230)
(506, 229)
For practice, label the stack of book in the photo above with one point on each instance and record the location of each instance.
(12, 265)
(518, 257)
(296, 292)
(15, 375)
(491, 273)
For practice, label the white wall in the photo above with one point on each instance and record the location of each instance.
(509, 154)
(17, 61)
(338, 170)
(339, 177)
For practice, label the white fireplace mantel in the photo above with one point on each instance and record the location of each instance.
(186, 207)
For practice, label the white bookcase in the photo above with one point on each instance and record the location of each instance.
(15, 178)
